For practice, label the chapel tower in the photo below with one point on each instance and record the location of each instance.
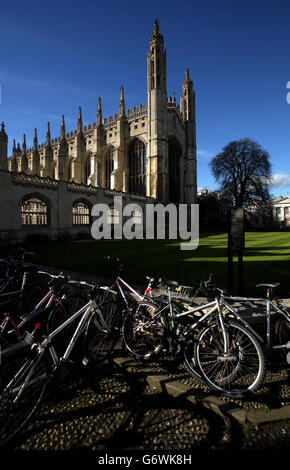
(187, 109)
(157, 115)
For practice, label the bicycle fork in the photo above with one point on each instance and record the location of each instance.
(224, 331)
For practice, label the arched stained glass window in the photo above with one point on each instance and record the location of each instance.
(81, 213)
(34, 211)
(137, 168)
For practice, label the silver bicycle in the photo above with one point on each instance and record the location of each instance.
(216, 349)
(26, 373)
(278, 336)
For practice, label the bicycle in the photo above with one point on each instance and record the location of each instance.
(278, 337)
(26, 375)
(54, 307)
(120, 285)
(26, 288)
(13, 271)
(215, 349)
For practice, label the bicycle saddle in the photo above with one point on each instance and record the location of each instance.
(271, 285)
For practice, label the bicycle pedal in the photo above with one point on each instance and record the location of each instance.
(85, 361)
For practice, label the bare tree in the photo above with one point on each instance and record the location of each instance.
(243, 170)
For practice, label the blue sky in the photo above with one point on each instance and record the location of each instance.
(56, 56)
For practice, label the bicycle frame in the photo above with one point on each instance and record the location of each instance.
(85, 311)
(50, 297)
(119, 282)
(46, 343)
(214, 306)
(269, 305)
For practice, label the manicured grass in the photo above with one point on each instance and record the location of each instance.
(266, 258)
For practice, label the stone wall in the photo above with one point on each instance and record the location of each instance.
(59, 197)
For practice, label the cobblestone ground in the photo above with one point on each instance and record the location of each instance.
(109, 410)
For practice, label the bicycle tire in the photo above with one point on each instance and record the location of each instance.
(239, 372)
(15, 411)
(102, 332)
(57, 316)
(142, 331)
(188, 351)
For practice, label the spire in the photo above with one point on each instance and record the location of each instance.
(35, 140)
(122, 103)
(62, 128)
(80, 120)
(3, 135)
(99, 113)
(13, 148)
(18, 150)
(156, 61)
(24, 144)
(156, 32)
(187, 81)
(187, 98)
(47, 142)
(3, 148)
(35, 155)
(23, 164)
(14, 166)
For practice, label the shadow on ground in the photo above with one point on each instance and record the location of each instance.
(110, 410)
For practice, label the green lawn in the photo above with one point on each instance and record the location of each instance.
(266, 258)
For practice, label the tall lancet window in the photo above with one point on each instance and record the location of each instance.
(109, 167)
(174, 155)
(137, 168)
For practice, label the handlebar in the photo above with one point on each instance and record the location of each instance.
(210, 287)
(62, 276)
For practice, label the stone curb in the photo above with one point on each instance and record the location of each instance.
(224, 409)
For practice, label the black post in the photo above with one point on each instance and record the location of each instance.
(230, 256)
(241, 272)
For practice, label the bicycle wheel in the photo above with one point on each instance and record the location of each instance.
(236, 372)
(102, 332)
(23, 381)
(143, 331)
(189, 357)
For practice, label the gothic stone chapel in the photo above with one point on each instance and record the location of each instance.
(145, 155)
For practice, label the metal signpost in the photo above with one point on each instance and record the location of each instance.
(236, 244)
